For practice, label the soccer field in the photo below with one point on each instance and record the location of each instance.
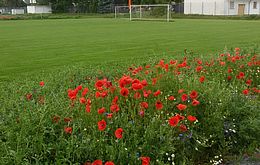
(31, 46)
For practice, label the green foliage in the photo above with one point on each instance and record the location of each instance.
(12, 3)
(227, 120)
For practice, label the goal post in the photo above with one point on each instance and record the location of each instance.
(144, 12)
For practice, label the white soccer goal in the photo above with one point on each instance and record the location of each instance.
(144, 12)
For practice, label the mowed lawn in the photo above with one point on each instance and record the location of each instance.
(31, 46)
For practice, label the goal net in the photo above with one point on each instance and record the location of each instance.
(122, 12)
(144, 12)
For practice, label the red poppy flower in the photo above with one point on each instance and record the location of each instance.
(41, 83)
(171, 98)
(101, 110)
(199, 61)
(137, 95)
(124, 92)
(109, 163)
(222, 63)
(82, 100)
(98, 94)
(229, 70)
(180, 90)
(112, 89)
(125, 80)
(67, 119)
(157, 93)
(248, 82)
(191, 118)
(154, 80)
(246, 91)
(79, 87)
(237, 49)
(184, 97)
(99, 84)
(193, 94)
(87, 163)
(68, 130)
(181, 107)
(88, 108)
(137, 86)
(56, 119)
(102, 125)
(29, 96)
(145, 160)
(72, 94)
(110, 115)
(180, 117)
(104, 94)
(85, 91)
(136, 81)
(97, 162)
(144, 105)
(199, 68)
(144, 83)
(114, 101)
(158, 105)
(229, 78)
(141, 113)
(202, 79)
(146, 93)
(114, 108)
(173, 121)
(183, 128)
(119, 133)
(195, 102)
(173, 62)
(241, 75)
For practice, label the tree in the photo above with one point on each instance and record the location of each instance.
(12, 3)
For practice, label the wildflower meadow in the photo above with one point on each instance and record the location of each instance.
(176, 110)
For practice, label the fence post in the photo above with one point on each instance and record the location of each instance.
(140, 12)
(215, 7)
(190, 7)
(202, 8)
(168, 13)
(130, 12)
(115, 11)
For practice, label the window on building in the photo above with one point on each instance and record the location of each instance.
(255, 5)
(232, 5)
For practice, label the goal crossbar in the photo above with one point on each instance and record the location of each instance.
(140, 7)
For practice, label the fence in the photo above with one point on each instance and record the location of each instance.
(8, 10)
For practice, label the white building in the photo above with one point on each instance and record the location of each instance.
(38, 9)
(17, 11)
(222, 7)
(33, 8)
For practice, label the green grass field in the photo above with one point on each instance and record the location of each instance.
(30, 46)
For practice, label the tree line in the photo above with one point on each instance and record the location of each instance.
(79, 6)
